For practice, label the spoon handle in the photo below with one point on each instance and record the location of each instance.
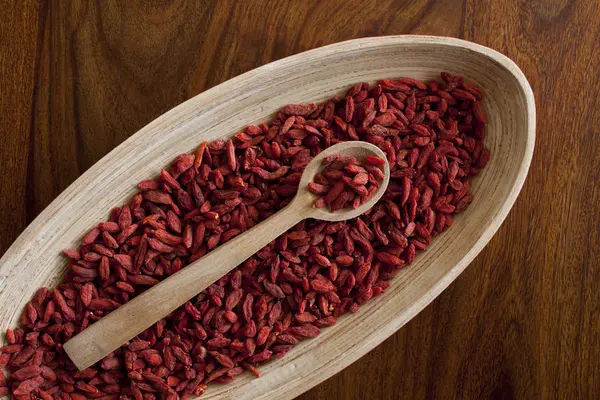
(141, 312)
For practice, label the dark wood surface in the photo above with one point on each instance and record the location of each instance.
(523, 321)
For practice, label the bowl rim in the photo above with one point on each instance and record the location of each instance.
(22, 244)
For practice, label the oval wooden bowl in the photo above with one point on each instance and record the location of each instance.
(34, 259)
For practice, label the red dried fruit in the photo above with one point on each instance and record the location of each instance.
(305, 331)
(344, 183)
(432, 135)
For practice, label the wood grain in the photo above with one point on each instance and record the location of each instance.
(521, 321)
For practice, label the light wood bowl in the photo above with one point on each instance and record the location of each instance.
(34, 259)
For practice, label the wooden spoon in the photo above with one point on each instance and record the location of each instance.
(138, 314)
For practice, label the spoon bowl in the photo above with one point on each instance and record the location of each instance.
(357, 149)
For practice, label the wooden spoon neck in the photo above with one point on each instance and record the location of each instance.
(300, 207)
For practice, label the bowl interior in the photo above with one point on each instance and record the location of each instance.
(34, 260)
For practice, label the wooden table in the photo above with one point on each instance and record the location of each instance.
(522, 321)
